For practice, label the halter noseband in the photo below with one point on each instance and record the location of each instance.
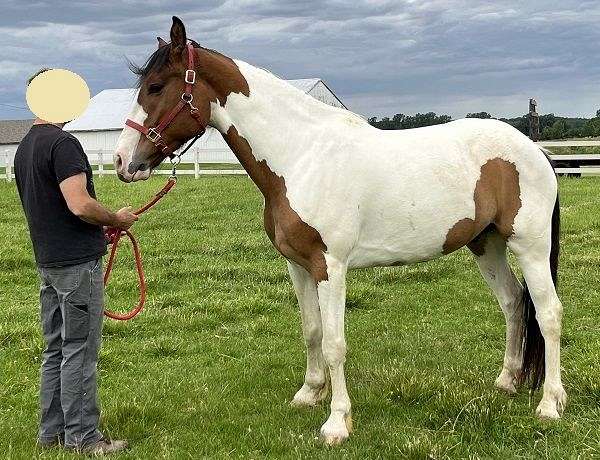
(154, 134)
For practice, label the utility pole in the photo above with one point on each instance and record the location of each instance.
(533, 120)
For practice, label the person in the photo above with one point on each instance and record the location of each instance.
(54, 181)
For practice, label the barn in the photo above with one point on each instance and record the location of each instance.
(11, 133)
(100, 125)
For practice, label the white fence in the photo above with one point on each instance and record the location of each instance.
(102, 161)
(191, 161)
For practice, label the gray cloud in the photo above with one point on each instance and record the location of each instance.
(381, 57)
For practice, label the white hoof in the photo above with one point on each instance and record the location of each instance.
(552, 404)
(547, 411)
(336, 429)
(506, 383)
(308, 396)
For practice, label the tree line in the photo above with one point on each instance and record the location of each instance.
(551, 126)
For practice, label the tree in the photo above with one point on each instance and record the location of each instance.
(402, 121)
(483, 115)
(558, 130)
(591, 128)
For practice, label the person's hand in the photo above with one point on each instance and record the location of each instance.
(125, 218)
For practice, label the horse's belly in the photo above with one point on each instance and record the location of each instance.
(401, 244)
(404, 223)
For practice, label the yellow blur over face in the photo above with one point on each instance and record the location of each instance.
(58, 95)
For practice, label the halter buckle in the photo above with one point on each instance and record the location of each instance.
(153, 135)
(190, 76)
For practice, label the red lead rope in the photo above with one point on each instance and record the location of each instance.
(114, 236)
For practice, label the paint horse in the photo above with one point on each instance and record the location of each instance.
(340, 194)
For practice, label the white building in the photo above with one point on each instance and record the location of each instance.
(11, 133)
(100, 125)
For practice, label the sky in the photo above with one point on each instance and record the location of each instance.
(380, 57)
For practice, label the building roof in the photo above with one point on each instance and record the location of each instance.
(12, 131)
(109, 108)
(305, 84)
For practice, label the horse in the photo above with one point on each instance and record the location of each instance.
(340, 194)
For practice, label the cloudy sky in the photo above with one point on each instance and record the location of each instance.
(380, 57)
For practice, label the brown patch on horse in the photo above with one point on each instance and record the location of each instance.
(291, 236)
(477, 244)
(222, 73)
(497, 201)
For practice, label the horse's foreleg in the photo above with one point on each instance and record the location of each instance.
(332, 299)
(314, 388)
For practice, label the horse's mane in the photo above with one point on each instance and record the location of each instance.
(156, 61)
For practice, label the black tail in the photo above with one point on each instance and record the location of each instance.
(533, 341)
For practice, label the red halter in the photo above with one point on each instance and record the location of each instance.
(154, 134)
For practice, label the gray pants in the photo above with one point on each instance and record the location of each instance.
(72, 303)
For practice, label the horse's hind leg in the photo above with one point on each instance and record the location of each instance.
(315, 385)
(490, 253)
(533, 255)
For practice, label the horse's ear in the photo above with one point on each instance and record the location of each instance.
(161, 42)
(178, 38)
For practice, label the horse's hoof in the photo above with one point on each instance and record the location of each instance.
(333, 433)
(309, 397)
(334, 440)
(506, 382)
(547, 411)
(334, 437)
(506, 386)
(552, 404)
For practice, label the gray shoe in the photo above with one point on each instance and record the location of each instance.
(49, 443)
(104, 447)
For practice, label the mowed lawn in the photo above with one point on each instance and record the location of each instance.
(209, 367)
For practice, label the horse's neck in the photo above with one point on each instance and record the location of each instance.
(276, 120)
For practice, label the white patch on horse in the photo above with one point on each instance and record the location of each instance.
(315, 148)
(129, 138)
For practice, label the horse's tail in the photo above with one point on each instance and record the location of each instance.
(533, 341)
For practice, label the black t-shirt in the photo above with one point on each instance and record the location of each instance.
(46, 156)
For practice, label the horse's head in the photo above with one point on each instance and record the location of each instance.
(164, 82)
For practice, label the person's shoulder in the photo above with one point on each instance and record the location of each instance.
(68, 139)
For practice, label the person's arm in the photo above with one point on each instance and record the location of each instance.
(88, 209)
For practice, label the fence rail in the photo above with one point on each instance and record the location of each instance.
(588, 164)
(102, 163)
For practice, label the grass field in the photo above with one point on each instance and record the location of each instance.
(208, 368)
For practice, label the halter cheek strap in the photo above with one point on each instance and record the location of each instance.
(154, 134)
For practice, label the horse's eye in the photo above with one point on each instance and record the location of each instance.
(155, 88)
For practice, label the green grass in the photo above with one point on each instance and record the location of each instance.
(574, 150)
(208, 368)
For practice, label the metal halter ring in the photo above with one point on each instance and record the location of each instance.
(175, 160)
(190, 76)
(153, 135)
(184, 97)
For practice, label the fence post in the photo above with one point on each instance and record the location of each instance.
(100, 162)
(533, 119)
(196, 164)
(8, 167)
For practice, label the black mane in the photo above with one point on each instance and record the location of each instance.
(158, 59)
